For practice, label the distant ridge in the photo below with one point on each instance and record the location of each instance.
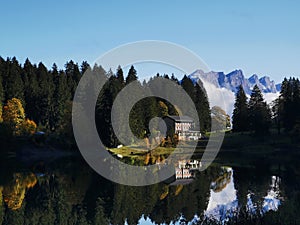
(221, 88)
(234, 79)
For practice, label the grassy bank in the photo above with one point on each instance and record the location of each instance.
(237, 149)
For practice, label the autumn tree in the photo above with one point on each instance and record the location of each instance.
(220, 118)
(14, 119)
(28, 127)
(162, 109)
(14, 115)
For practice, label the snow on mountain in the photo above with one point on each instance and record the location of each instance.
(221, 88)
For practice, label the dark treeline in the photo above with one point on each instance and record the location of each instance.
(287, 107)
(147, 108)
(44, 93)
(256, 116)
(47, 94)
(253, 115)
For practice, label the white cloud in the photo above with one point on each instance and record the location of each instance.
(225, 98)
(221, 97)
(269, 97)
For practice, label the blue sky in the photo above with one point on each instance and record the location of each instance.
(260, 37)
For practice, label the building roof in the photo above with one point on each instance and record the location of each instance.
(181, 119)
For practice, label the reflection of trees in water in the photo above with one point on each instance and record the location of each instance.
(221, 182)
(73, 194)
(1, 206)
(253, 181)
(14, 191)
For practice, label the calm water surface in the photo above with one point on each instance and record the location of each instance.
(67, 191)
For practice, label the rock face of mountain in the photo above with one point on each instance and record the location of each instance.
(234, 79)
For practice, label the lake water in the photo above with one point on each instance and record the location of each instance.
(67, 191)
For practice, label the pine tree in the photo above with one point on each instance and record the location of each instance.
(12, 79)
(31, 90)
(120, 75)
(199, 97)
(60, 98)
(173, 78)
(45, 95)
(73, 74)
(103, 116)
(188, 86)
(2, 62)
(100, 217)
(203, 108)
(1, 94)
(259, 113)
(285, 100)
(240, 113)
(1, 91)
(132, 75)
(84, 66)
(289, 103)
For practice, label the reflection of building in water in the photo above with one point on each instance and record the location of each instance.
(186, 169)
(182, 173)
(14, 192)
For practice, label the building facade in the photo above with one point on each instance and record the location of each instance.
(183, 126)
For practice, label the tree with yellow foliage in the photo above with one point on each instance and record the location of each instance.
(14, 118)
(13, 115)
(28, 127)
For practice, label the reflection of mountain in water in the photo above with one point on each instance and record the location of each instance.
(224, 203)
(70, 193)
